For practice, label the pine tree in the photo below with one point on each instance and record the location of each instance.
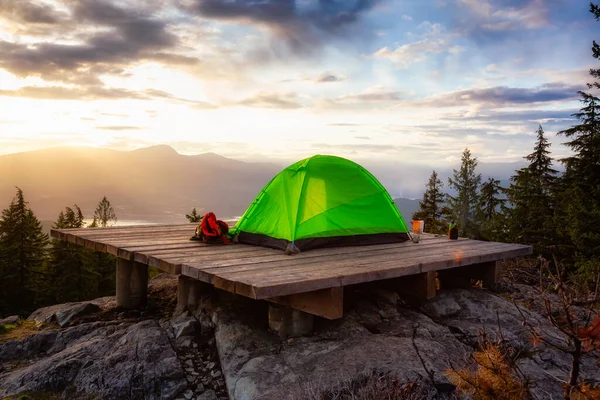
(193, 216)
(106, 263)
(22, 255)
(433, 209)
(104, 214)
(491, 221)
(531, 199)
(579, 189)
(466, 183)
(72, 274)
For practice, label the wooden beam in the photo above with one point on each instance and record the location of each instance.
(422, 286)
(326, 303)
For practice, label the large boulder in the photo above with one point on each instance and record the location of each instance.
(99, 360)
(381, 334)
(69, 313)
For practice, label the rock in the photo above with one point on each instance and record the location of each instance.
(208, 395)
(188, 394)
(441, 306)
(258, 365)
(216, 374)
(100, 360)
(189, 363)
(210, 365)
(185, 343)
(64, 314)
(186, 327)
(12, 320)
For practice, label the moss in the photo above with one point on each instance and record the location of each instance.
(19, 331)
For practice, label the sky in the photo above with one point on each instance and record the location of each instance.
(414, 81)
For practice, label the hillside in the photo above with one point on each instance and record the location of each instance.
(152, 184)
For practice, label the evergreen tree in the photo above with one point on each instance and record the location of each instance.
(72, 274)
(491, 221)
(579, 190)
(194, 216)
(22, 255)
(531, 198)
(106, 263)
(466, 183)
(104, 214)
(433, 209)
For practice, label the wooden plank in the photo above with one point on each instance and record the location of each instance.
(328, 260)
(338, 254)
(326, 303)
(365, 272)
(367, 269)
(271, 268)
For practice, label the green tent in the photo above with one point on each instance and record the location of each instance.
(321, 201)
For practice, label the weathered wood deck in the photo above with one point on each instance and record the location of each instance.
(262, 273)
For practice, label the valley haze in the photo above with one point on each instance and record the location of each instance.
(157, 184)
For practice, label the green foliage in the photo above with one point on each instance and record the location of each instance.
(194, 216)
(72, 273)
(579, 188)
(433, 209)
(104, 214)
(466, 183)
(490, 218)
(22, 255)
(529, 219)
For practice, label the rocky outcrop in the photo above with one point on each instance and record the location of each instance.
(103, 360)
(106, 353)
(382, 334)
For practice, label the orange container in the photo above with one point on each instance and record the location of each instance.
(417, 226)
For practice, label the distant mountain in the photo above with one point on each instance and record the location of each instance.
(157, 184)
(407, 207)
(151, 184)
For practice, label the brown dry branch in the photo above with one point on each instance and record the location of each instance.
(580, 326)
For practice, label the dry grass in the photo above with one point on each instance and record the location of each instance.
(374, 386)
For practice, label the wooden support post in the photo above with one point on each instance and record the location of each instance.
(189, 292)
(489, 273)
(287, 321)
(132, 284)
(422, 286)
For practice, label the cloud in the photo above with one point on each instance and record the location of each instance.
(325, 78)
(484, 19)
(104, 39)
(119, 128)
(98, 93)
(433, 41)
(287, 101)
(25, 11)
(68, 93)
(375, 96)
(502, 96)
(301, 26)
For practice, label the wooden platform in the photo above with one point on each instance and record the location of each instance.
(262, 273)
